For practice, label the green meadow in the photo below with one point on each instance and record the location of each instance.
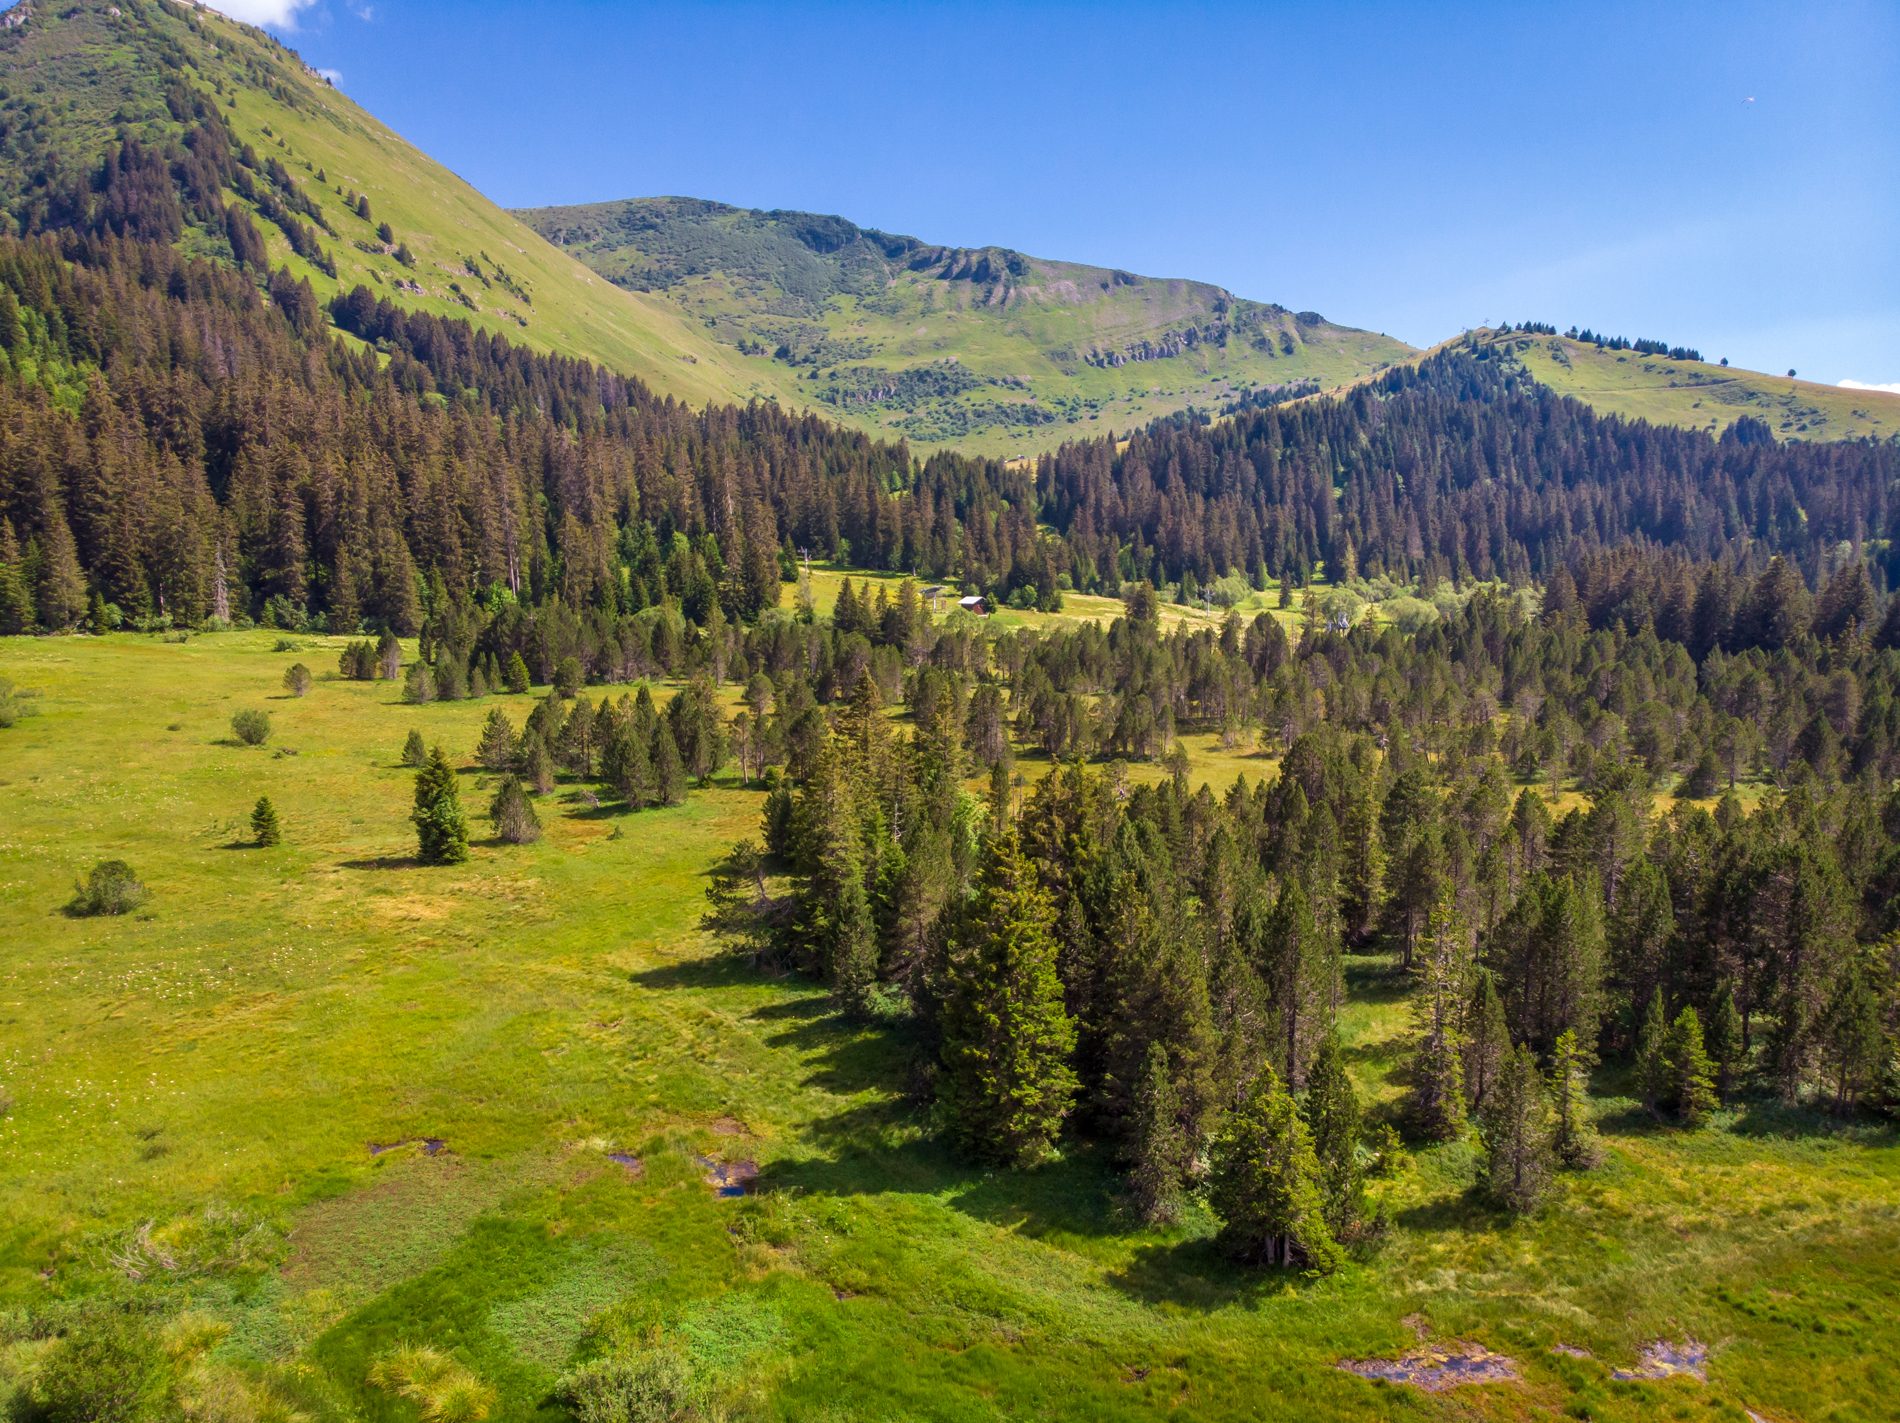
(194, 1092)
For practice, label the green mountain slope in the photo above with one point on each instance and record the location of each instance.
(1699, 395)
(73, 76)
(985, 348)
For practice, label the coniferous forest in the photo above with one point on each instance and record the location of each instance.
(1373, 853)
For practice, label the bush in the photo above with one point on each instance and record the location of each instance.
(111, 888)
(653, 1386)
(297, 680)
(108, 1366)
(251, 726)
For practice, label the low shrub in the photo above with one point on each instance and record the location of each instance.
(251, 726)
(111, 888)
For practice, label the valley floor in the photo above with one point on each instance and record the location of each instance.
(197, 1092)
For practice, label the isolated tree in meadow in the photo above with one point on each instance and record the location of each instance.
(1723, 1036)
(250, 726)
(388, 657)
(1690, 1074)
(1516, 1133)
(1160, 1155)
(1331, 1109)
(1436, 1103)
(513, 814)
(515, 675)
(414, 752)
(264, 827)
(1653, 1082)
(441, 829)
(1264, 1184)
(1487, 1039)
(110, 888)
(297, 680)
(1573, 1133)
(1006, 1079)
(496, 750)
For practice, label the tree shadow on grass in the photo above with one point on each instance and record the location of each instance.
(1375, 978)
(1758, 1117)
(1194, 1274)
(708, 971)
(1467, 1210)
(383, 862)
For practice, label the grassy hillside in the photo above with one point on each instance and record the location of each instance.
(1699, 395)
(988, 349)
(74, 74)
(195, 1091)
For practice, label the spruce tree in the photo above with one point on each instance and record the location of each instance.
(1436, 1105)
(1573, 1133)
(513, 814)
(626, 764)
(264, 828)
(1331, 1108)
(515, 675)
(1006, 1079)
(1487, 1039)
(1653, 1082)
(669, 772)
(496, 750)
(1265, 1184)
(1724, 1038)
(1690, 1073)
(441, 830)
(414, 752)
(1159, 1148)
(1516, 1133)
(537, 766)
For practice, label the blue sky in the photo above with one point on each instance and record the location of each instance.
(1724, 175)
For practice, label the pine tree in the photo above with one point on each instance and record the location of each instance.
(414, 752)
(1724, 1038)
(264, 828)
(1573, 1134)
(669, 772)
(1332, 1115)
(515, 675)
(297, 680)
(626, 763)
(513, 814)
(1487, 1039)
(1436, 1105)
(1161, 1154)
(60, 594)
(441, 831)
(1516, 1134)
(497, 748)
(1301, 966)
(1265, 1184)
(1653, 1081)
(1852, 1044)
(1006, 1080)
(1690, 1073)
(537, 766)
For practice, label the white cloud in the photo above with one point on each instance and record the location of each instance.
(1891, 387)
(335, 76)
(281, 13)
